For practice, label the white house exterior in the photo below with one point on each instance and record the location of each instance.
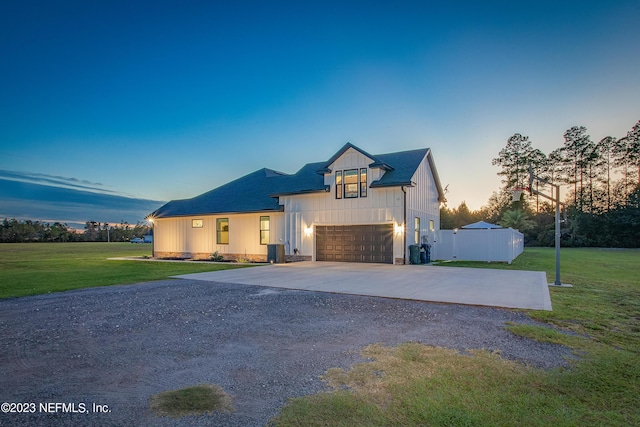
(354, 207)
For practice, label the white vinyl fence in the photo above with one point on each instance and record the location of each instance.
(503, 244)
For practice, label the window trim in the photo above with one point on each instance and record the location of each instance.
(219, 235)
(363, 188)
(267, 230)
(416, 229)
(361, 183)
(352, 194)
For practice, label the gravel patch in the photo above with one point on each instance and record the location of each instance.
(120, 345)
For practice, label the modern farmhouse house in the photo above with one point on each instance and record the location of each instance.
(354, 207)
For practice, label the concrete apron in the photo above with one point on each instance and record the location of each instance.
(471, 286)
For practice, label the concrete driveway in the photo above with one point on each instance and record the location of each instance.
(471, 286)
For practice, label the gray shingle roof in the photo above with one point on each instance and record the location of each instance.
(306, 180)
(404, 166)
(259, 191)
(247, 194)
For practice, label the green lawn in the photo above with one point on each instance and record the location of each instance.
(605, 300)
(37, 268)
(414, 384)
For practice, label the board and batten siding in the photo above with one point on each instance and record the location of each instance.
(422, 202)
(175, 237)
(305, 211)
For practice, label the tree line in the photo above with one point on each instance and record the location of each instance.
(600, 181)
(15, 231)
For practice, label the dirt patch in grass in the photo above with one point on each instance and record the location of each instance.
(417, 384)
(196, 400)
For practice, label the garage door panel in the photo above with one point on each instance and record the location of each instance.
(355, 243)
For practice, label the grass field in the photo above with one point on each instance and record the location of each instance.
(414, 384)
(37, 268)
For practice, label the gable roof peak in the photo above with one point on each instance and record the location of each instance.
(377, 163)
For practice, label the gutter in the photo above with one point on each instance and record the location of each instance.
(404, 232)
(186, 215)
(324, 189)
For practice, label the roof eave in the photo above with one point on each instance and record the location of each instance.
(436, 178)
(377, 184)
(326, 189)
(381, 165)
(278, 209)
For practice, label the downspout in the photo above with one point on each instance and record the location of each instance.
(404, 231)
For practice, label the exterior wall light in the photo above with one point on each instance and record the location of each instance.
(399, 228)
(308, 231)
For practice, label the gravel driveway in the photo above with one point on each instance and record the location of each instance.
(119, 345)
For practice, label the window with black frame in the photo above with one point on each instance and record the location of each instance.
(350, 183)
(363, 182)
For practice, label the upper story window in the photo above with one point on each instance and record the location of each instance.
(351, 183)
(363, 182)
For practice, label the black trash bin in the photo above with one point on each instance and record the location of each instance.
(275, 254)
(425, 253)
(414, 254)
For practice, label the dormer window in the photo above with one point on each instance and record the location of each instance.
(363, 182)
(351, 183)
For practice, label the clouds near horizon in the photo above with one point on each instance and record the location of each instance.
(34, 201)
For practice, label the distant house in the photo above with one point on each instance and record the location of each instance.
(354, 207)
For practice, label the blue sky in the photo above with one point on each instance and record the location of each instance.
(162, 100)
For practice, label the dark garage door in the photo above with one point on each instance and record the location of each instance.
(355, 243)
